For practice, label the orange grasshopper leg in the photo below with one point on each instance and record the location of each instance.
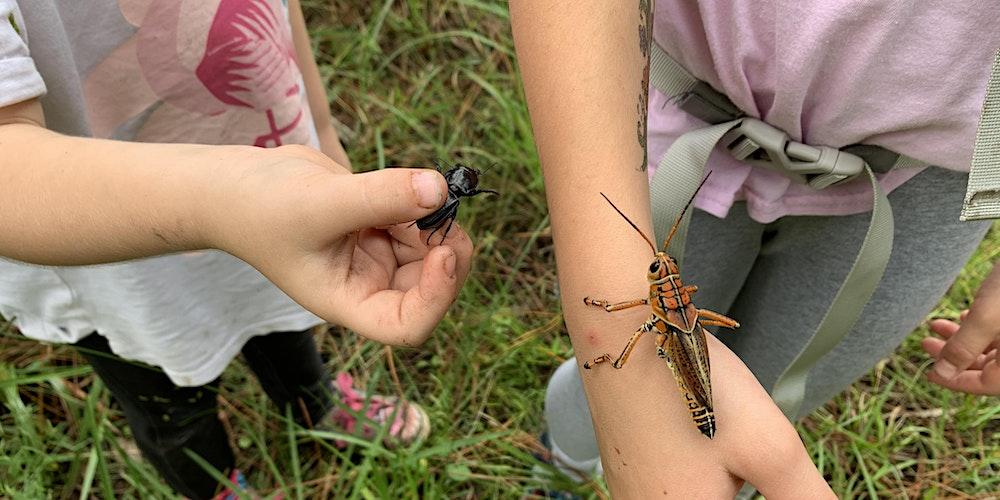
(609, 307)
(620, 362)
(711, 318)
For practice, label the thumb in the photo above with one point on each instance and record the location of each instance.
(962, 349)
(977, 331)
(389, 196)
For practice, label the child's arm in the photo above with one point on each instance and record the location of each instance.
(319, 107)
(582, 69)
(291, 212)
(967, 357)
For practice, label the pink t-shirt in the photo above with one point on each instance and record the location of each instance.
(908, 76)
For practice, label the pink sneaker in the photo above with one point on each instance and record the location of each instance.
(410, 422)
(237, 478)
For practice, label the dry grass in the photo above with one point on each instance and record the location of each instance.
(413, 81)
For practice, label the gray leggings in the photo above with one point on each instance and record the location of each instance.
(778, 279)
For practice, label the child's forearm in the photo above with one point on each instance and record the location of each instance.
(582, 67)
(75, 201)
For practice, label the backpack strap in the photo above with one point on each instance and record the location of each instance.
(982, 198)
(681, 169)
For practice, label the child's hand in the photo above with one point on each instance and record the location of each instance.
(754, 442)
(967, 357)
(341, 245)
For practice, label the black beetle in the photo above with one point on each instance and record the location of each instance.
(462, 181)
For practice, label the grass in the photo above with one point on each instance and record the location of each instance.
(415, 80)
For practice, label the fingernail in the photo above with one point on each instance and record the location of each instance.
(945, 369)
(449, 265)
(428, 189)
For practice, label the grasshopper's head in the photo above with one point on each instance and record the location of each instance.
(663, 266)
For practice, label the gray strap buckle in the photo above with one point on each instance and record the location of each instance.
(708, 104)
(760, 144)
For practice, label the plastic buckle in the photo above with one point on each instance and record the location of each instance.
(708, 104)
(760, 144)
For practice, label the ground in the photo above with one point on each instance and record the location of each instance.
(413, 81)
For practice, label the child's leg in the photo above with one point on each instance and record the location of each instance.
(165, 419)
(570, 429)
(290, 370)
(801, 266)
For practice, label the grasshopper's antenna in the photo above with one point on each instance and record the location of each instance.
(673, 229)
(650, 242)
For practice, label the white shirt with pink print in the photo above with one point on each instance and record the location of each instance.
(207, 72)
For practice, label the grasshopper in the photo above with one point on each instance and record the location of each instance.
(679, 328)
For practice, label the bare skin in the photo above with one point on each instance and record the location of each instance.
(581, 64)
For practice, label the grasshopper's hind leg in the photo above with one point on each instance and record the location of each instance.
(711, 318)
(620, 362)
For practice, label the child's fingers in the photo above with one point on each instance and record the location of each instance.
(984, 382)
(408, 317)
(407, 276)
(943, 327)
(974, 337)
(410, 245)
(407, 244)
(979, 328)
(460, 242)
(946, 329)
(378, 245)
(933, 346)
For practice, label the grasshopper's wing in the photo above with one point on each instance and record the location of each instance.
(688, 354)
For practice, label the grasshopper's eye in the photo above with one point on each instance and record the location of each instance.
(654, 267)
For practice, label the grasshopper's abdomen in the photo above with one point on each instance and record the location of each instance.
(703, 417)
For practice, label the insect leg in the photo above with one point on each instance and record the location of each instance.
(620, 362)
(711, 318)
(481, 191)
(445, 235)
(661, 342)
(429, 236)
(598, 360)
(609, 307)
